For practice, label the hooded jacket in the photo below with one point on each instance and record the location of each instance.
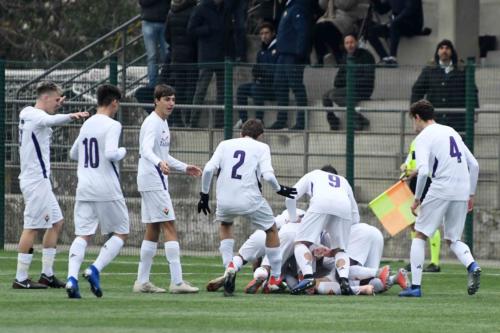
(154, 10)
(443, 90)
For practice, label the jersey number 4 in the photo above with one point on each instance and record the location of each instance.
(91, 153)
(454, 152)
(240, 154)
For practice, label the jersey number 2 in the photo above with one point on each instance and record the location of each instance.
(241, 155)
(91, 153)
(454, 152)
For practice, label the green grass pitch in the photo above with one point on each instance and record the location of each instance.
(444, 307)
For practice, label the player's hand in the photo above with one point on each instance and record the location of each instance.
(193, 170)
(79, 115)
(470, 204)
(288, 192)
(415, 206)
(203, 204)
(60, 102)
(164, 167)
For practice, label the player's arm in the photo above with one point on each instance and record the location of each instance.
(354, 204)
(60, 119)
(473, 174)
(111, 151)
(147, 145)
(176, 164)
(267, 172)
(422, 159)
(302, 187)
(73, 153)
(206, 180)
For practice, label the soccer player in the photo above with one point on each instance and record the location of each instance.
(454, 171)
(241, 162)
(157, 211)
(332, 208)
(42, 212)
(99, 197)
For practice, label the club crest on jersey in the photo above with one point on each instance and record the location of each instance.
(166, 211)
(46, 218)
(164, 139)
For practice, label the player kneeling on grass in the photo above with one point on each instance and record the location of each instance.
(332, 208)
(99, 197)
(42, 211)
(156, 206)
(241, 163)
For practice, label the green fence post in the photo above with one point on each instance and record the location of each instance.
(228, 99)
(470, 104)
(349, 147)
(113, 70)
(2, 153)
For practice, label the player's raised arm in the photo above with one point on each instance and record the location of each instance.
(60, 119)
(112, 151)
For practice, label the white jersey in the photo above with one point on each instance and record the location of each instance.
(35, 134)
(330, 194)
(284, 218)
(154, 147)
(441, 153)
(96, 150)
(240, 162)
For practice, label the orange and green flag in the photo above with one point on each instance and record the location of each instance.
(392, 208)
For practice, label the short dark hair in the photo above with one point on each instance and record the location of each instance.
(351, 34)
(252, 128)
(266, 25)
(423, 108)
(163, 90)
(329, 168)
(107, 93)
(47, 87)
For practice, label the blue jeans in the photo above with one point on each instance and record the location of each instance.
(156, 48)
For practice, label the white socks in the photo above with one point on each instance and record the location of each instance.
(274, 256)
(237, 262)
(304, 259)
(75, 256)
(342, 263)
(148, 251)
(23, 266)
(108, 252)
(462, 252)
(226, 250)
(357, 272)
(417, 257)
(48, 256)
(173, 254)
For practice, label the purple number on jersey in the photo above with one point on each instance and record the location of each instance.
(91, 153)
(241, 155)
(333, 181)
(454, 152)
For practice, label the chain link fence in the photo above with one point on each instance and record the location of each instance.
(353, 117)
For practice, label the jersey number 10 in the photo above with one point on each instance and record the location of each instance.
(91, 153)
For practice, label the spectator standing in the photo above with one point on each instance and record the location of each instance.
(364, 81)
(237, 9)
(207, 24)
(442, 83)
(261, 88)
(292, 45)
(183, 55)
(153, 15)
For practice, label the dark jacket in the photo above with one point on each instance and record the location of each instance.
(207, 24)
(364, 76)
(293, 30)
(441, 89)
(263, 71)
(154, 10)
(409, 11)
(182, 44)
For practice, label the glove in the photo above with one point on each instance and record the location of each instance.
(288, 192)
(203, 204)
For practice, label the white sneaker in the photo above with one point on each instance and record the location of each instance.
(147, 287)
(183, 288)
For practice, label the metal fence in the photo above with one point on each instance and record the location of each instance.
(368, 154)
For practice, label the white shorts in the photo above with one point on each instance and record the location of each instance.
(435, 212)
(262, 217)
(41, 206)
(156, 206)
(312, 224)
(112, 216)
(254, 247)
(366, 245)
